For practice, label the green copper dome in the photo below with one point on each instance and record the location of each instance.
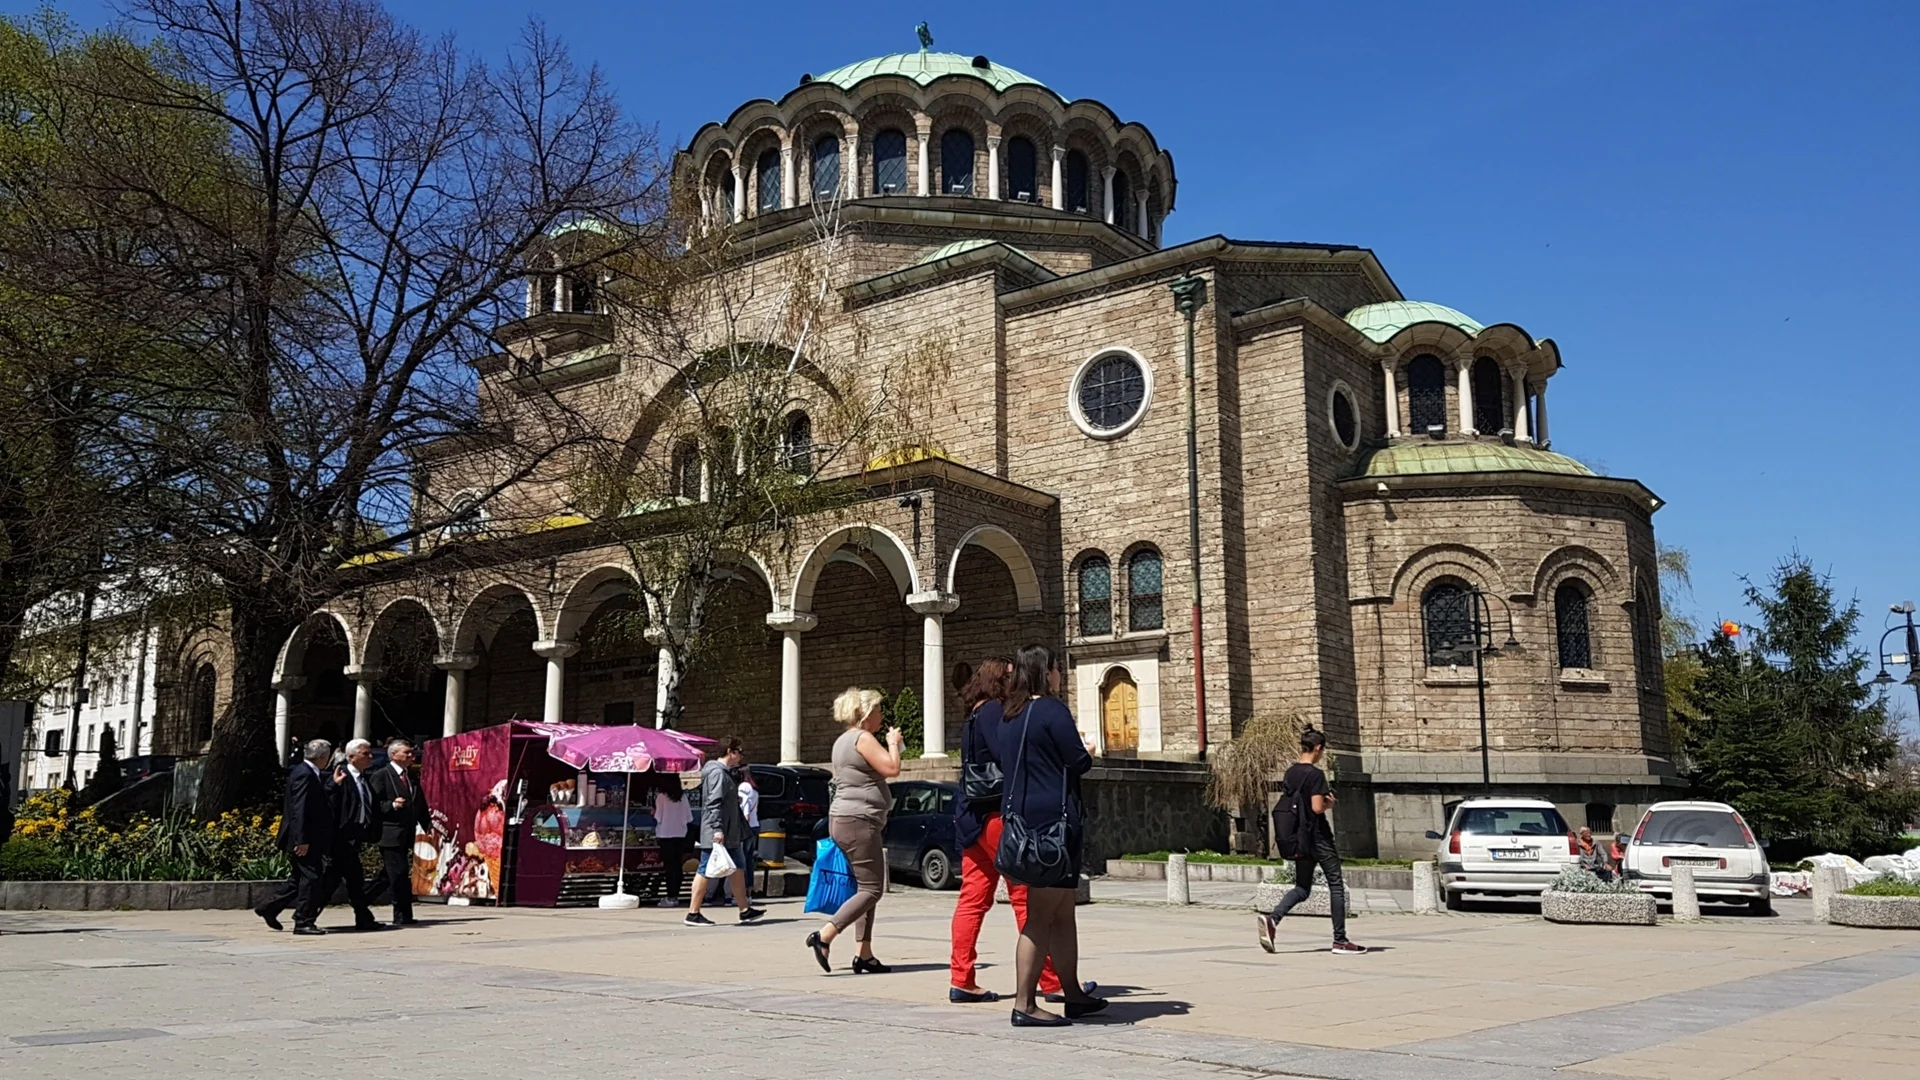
(923, 68)
(1427, 458)
(1382, 321)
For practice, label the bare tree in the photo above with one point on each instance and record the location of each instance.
(380, 197)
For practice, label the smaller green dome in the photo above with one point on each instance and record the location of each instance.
(923, 68)
(1428, 458)
(1381, 321)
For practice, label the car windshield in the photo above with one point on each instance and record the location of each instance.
(1708, 828)
(1511, 821)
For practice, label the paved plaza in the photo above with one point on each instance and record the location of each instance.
(1491, 995)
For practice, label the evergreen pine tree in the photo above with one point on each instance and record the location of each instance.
(1787, 732)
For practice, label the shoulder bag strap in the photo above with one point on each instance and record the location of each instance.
(1021, 755)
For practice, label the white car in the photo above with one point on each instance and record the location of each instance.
(1512, 847)
(1729, 865)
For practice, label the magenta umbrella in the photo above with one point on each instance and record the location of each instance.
(627, 749)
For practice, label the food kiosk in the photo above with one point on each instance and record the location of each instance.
(514, 823)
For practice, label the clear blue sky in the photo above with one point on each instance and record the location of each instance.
(1710, 206)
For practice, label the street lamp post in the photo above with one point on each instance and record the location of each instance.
(1911, 658)
(1481, 647)
(1189, 293)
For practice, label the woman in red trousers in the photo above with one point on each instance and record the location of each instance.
(979, 828)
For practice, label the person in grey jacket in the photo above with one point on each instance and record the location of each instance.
(723, 824)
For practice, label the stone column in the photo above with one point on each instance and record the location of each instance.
(1426, 886)
(1540, 410)
(1392, 400)
(1520, 409)
(1464, 371)
(921, 131)
(993, 167)
(1106, 193)
(1686, 897)
(363, 679)
(555, 653)
(1059, 183)
(739, 193)
(791, 625)
(283, 688)
(933, 608)
(1140, 219)
(456, 665)
(662, 673)
(789, 193)
(850, 162)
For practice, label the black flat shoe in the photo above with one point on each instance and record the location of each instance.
(1021, 1019)
(819, 951)
(1078, 1009)
(963, 997)
(867, 965)
(1086, 988)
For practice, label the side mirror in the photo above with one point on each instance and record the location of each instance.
(1431, 835)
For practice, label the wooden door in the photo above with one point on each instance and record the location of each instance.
(1120, 713)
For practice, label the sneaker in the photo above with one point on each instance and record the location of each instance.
(666, 903)
(1347, 948)
(1265, 929)
(694, 918)
(751, 914)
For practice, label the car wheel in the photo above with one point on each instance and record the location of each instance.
(1760, 905)
(1452, 899)
(936, 870)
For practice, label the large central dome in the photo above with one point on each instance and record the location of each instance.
(924, 67)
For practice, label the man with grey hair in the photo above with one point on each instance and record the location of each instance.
(401, 809)
(307, 830)
(354, 825)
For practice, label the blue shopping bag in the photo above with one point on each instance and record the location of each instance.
(832, 881)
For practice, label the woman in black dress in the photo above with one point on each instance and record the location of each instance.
(1041, 756)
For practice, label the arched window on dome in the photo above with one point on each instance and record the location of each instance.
(1489, 397)
(1096, 596)
(1077, 200)
(956, 163)
(797, 441)
(1122, 202)
(1571, 634)
(1022, 180)
(1447, 614)
(889, 163)
(826, 167)
(767, 181)
(687, 471)
(1427, 394)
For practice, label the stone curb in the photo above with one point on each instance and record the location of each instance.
(134, 895)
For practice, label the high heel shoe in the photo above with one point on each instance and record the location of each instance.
(1021, 1019)
(867, 965)
(819, 951)
(1078, 1009)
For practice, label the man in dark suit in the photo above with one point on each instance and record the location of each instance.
(355, 824)
(401, 809)
(307, 828)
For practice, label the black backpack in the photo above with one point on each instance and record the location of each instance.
(1293, 825)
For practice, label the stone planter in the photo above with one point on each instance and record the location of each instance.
(1880, 912)
(133, 895)
(1607, 909)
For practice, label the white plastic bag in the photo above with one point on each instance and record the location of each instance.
(1856, 873)
(719, 863)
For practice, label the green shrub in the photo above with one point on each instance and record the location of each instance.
(1575, 880)
(1886, 885)
(28, 859)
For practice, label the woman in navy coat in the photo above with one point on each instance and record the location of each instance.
(1042, 758)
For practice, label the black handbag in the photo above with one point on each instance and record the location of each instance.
(1037, 856)
(981, 782)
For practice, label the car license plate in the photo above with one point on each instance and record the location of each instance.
(1711, 864)
(1505, 854)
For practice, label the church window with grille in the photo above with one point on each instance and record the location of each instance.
(1144, 608)
(1447, 612)
(1489, 397)
(1077, 200)
(889, 163)
(767, 180)
(1096, 596)
(1112, 392)
(1575, 643)
(826, 166)
(1022, 185)
(1122, 200)
(956, 163)
(1427, 394)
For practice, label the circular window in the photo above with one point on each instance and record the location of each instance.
(1110, 393)
(1346, 425)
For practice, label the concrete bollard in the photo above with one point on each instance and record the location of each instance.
(1177, 891)
(1426, 887)
(1827, 881)
(1686, 900)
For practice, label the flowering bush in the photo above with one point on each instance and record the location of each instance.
(233, 847)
